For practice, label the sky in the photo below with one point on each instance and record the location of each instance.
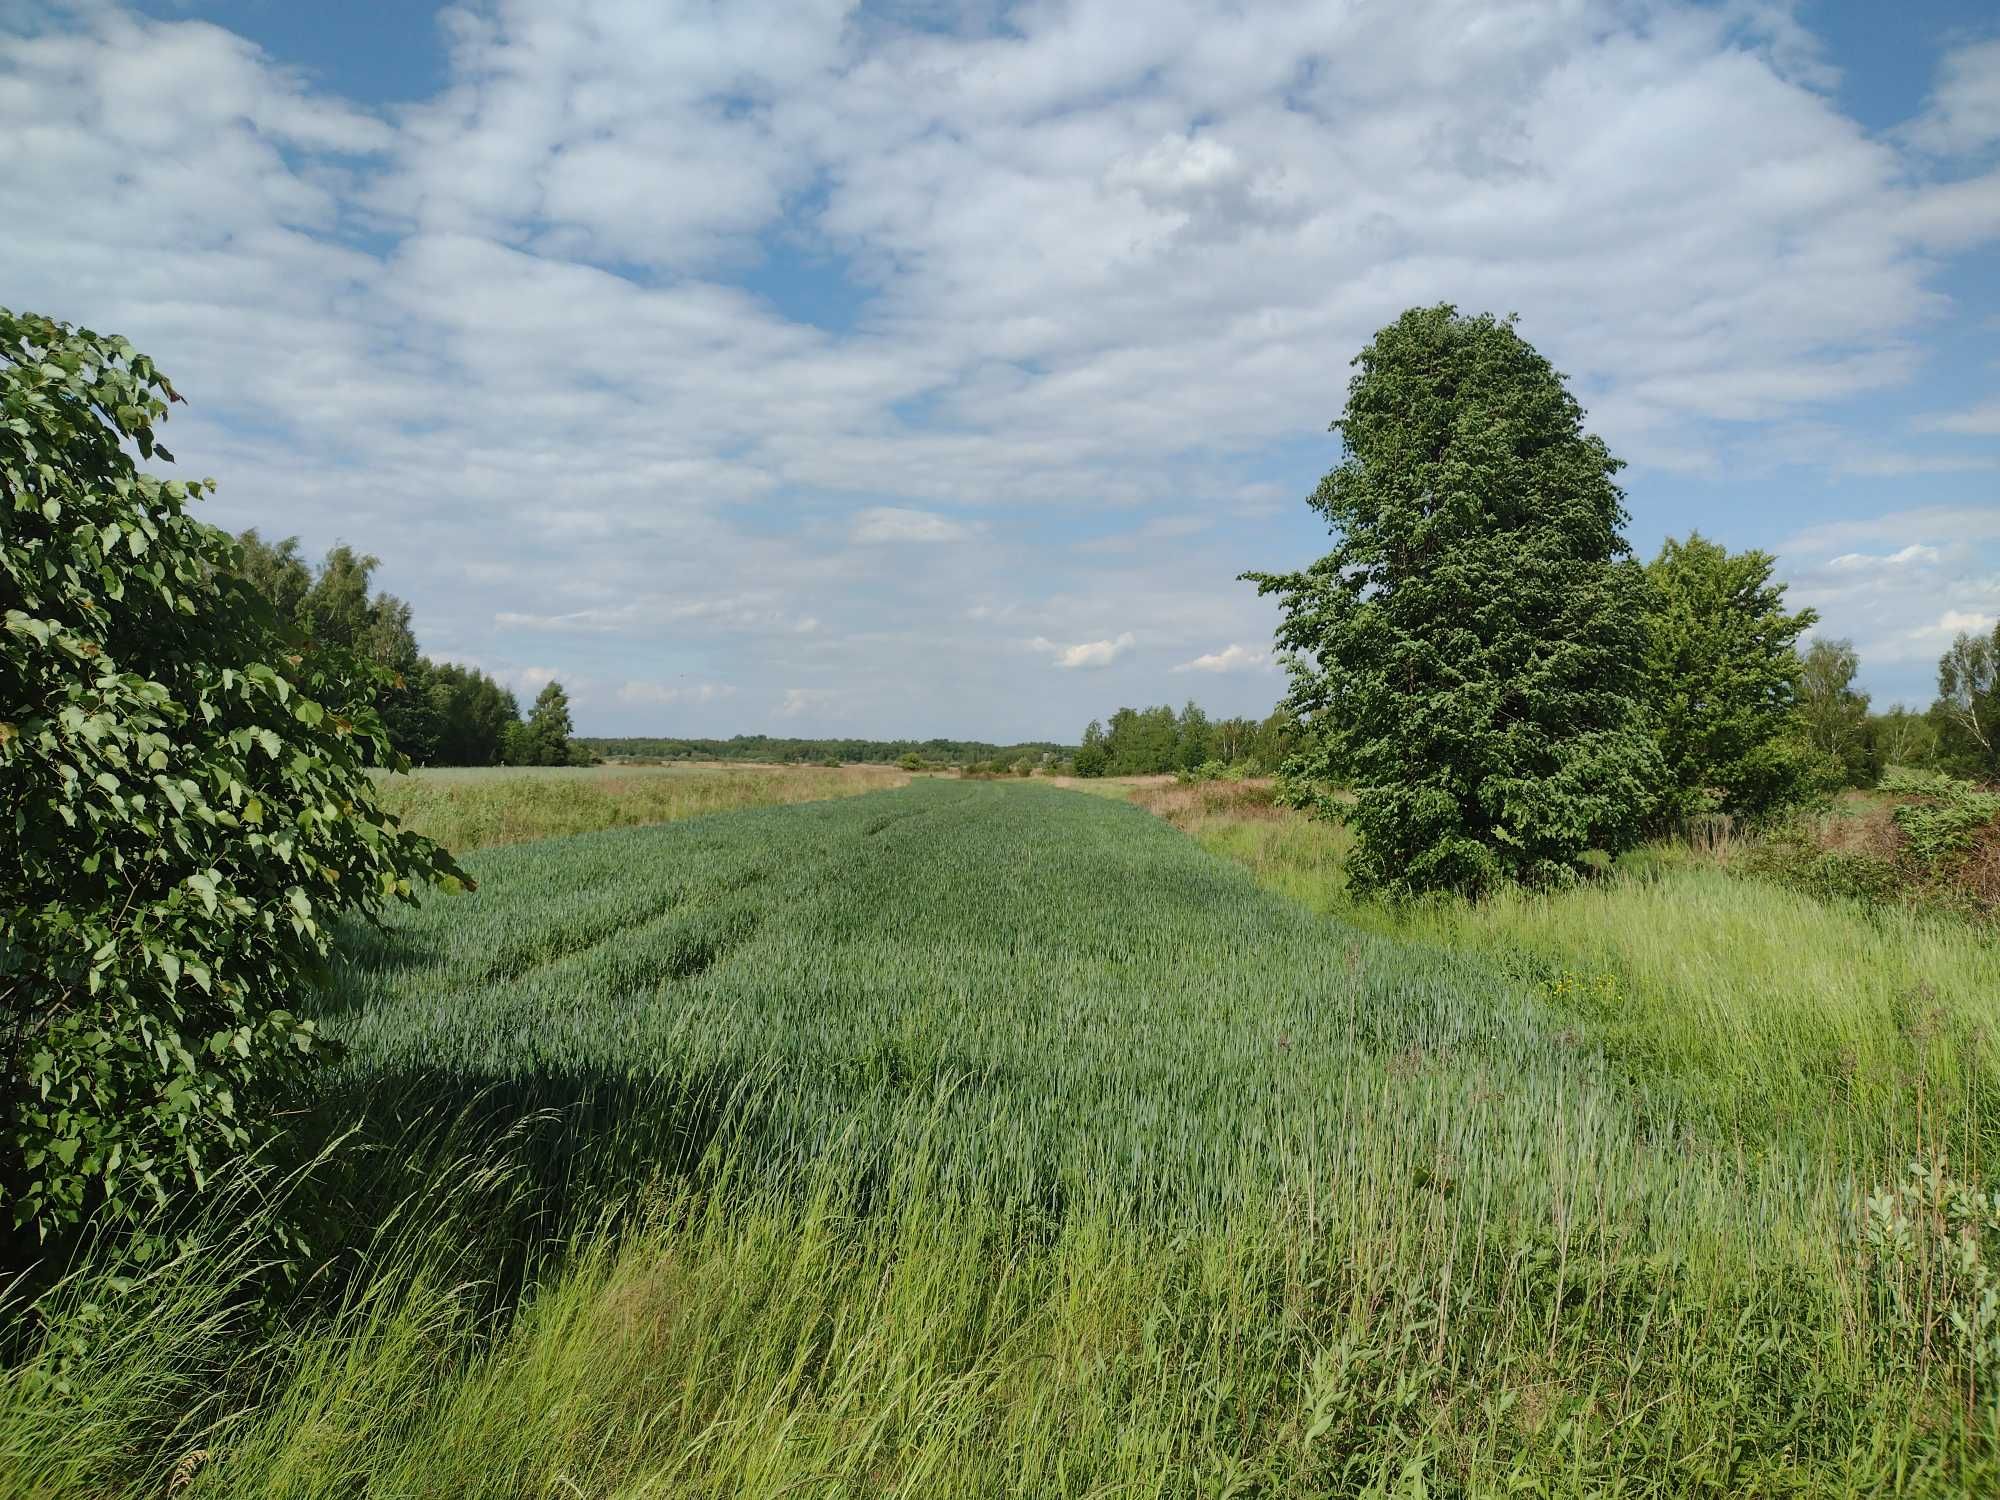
(918, 369)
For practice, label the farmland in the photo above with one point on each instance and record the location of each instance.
(979, 1138)
(478, 808)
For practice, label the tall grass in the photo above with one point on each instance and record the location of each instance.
(467, 809)
(1762, 1006)
(989, 1139)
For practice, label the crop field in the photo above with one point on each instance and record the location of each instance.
(990, 1138)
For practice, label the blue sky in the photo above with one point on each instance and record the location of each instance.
(910, 369)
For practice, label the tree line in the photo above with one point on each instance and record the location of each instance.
(1151, 741)
(781, 750)
(435, 713)
(1958, 734)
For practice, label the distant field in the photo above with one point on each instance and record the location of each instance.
(990, 1139)
(477, 807)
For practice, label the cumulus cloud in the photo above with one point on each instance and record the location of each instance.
(1963, 112)
(889, 523)
(1230, 658)
(661, 325)
(1953, 623)
(1086, 653)
(1903, 603)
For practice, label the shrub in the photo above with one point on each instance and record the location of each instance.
(1091, 760)
(1208, 770)
(1945, 815)
(185, 789)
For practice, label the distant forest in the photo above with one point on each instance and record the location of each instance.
(767, 748)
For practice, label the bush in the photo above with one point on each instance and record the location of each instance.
(185, 787)
(1208, 770)
(1946, 815)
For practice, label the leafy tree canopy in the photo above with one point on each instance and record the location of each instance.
(1468, 655)
(1833, 715)
(548, 730)
(435, 713)
(1968, 703)
(185, 798)
(1722, 677)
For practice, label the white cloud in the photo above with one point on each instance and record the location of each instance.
(540, 340)
(1982, 420)
(1086, 653)
(1953, 622)
(664, 693)
(1903, 603)
(1230, 658)
(1963, 112)
(889, 523)
(1916, 552)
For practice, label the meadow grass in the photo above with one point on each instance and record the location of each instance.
(466, 808)
(1763, 1005)
(988, 1139)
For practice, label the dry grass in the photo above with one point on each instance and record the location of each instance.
(478, 808)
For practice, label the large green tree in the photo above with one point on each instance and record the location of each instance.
(1722, 675)
(546, 741)
(1468, 657)
(185, 802)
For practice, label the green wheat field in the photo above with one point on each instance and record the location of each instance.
(988, 1138)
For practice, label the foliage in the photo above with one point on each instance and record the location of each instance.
(1721, 680)
(545, 740)
(772, 750)
(1467, 656)
(1792, 857)
(1902, 738)
(1932, 1242)
(1939, 814)
(1968, 703)
(1833, 715)
(435, 713)
(185, 793)
(1093, 756)
(1157, 741)
(473, 712)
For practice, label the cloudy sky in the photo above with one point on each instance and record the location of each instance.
(923, 369)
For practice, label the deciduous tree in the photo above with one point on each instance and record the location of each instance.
(1468, 656)
(185, 802)
(549, 727)
(1722, 673)
(1833, 715)
(1969, 701)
